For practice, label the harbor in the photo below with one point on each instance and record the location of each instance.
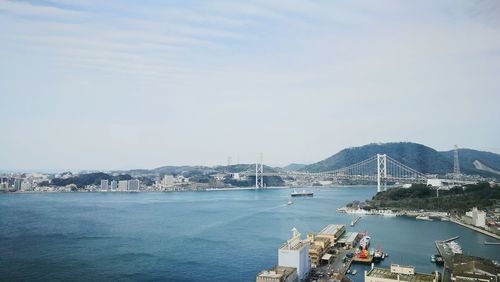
(229, 234)
(328, 254)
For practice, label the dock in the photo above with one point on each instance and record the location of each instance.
(451, 239)
(355, 220)
(496, 236)
(367, 260)
(492, 243)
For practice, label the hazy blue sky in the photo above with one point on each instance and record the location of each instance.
(129, 84)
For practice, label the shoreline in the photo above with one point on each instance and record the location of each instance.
(413, 214)
(477, 229)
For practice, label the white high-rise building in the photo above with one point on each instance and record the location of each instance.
(295, 253)
(168, 181)
(114, 185)
(17, 184)
(133, 185)
(122, 185)
(104, 185)
(478, 217)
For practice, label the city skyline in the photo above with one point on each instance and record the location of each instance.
(122, 85)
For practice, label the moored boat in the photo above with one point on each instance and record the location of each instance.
(423, 217)
(304, 193)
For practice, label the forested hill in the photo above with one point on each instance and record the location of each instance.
(419, 196)
(416, 156)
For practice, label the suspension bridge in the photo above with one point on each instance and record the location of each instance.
(380, 168)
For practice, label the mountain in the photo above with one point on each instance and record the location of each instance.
(476, 162)
(295, 167)
(416, 156)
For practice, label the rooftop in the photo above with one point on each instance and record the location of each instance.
(277, 272)
(387, 274)
(331, 229)
(348, 238)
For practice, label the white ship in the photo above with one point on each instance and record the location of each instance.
(304, 193)
(423, 217)
(365, 242)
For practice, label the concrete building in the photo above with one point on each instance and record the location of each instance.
(398, 273)
(104, 185)
(318, 247)
(349, 239)
(168, 181)
(332, 232)
(114, 185)
(469, 268)
(133, 185)
(122, 185)
(294, 253)
(17, 184)
(278, 274)
(26, 186)
(478, 218)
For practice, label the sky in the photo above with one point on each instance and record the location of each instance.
(141, 84)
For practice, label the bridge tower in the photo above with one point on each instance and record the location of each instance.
(259, 170)
(381, 171)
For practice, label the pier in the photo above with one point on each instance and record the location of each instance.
(355, 220)
(476, 229)
(492, 243)
(451, 239)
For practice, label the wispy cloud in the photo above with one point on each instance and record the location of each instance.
(323, 73)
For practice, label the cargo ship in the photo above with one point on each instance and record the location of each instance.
(304, 193)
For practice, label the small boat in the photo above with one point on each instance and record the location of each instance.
(445, 219)
(289, 202)
(365, 242)
(378, 255)
(439, 260)
(304, 193)
(354, 272)
(433, 258)
(423, 217)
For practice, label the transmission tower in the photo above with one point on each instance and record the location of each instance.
(259, 170)
(381, 171)
(456, 164)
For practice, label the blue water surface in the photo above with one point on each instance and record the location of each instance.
(192, 236)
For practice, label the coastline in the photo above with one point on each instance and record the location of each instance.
(493, 235)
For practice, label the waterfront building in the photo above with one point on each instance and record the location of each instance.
(398, 273)
(469, 268)
(332, 232)
(349, 239)
(17, 184)
(278, 274)
(26, 186)
(104, 185)
(475, 217)
(478, 218)
(122, 185)
(168, 181)
(294, 253)
(133, 185)
(318, 247)
(114, 185)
